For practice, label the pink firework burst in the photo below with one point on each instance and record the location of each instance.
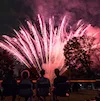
(44, 48)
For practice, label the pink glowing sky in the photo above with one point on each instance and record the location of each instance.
(91, 30)
(88, 10)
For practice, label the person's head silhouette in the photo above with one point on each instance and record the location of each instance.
(42, 72)
(25, 74)
(57, 72)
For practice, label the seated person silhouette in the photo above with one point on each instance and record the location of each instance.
(42, 86)
(9, 86)
(61, 87)
(26, 86)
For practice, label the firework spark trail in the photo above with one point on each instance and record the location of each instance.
(37, 42)
(14, 51)
(42, 50)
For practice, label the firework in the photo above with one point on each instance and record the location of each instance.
(43, 48)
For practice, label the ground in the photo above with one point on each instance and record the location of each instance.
(74, 96)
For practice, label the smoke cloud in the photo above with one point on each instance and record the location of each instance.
(13, 11)
(89, 10)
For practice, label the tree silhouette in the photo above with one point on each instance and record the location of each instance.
(6, 63)
(77, 53)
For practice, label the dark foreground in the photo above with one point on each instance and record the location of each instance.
(74, 96)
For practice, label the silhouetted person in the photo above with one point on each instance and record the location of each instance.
(9, 85)
(59, 80)
(26, 86)
(42, 86)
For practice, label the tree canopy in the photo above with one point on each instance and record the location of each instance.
(77, 52)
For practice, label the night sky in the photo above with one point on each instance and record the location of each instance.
(12, 12)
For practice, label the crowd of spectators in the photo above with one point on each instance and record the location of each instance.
(59, 87)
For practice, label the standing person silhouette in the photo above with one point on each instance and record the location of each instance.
(42, 86)
(59, 80)
(26, 86)
(9, 85)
